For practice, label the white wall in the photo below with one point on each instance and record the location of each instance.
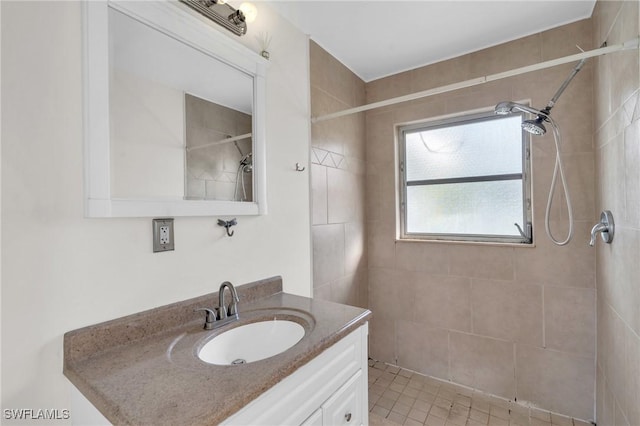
(61, 271)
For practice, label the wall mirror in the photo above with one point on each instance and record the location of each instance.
(174, 115)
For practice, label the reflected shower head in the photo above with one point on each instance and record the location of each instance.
(247, 163)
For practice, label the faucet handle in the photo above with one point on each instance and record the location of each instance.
(210, 317)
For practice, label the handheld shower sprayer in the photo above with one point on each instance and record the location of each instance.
(536, 127)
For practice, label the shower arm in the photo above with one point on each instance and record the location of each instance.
(564, 85)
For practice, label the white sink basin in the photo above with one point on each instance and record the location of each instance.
(251, 342)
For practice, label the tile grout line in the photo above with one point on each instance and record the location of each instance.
(449, 355)
(515, 369)
(544, 320)
(471, 305)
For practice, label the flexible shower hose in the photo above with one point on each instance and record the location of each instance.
(558, 168)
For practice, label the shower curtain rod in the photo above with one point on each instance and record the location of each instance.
(628, 45)
(223, 141)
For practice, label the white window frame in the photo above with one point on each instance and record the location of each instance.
(526, 234)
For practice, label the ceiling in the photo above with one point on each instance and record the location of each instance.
(377, 38)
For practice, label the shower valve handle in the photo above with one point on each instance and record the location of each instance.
(605, 228)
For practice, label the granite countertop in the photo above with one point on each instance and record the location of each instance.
(143, 368)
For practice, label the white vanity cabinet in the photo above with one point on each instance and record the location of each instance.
(331, 389)
(345, 406)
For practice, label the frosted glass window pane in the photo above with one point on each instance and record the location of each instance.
(473, 148)
(488, 208)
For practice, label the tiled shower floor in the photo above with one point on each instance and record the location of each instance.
(401, 397)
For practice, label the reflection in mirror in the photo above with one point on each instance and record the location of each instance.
(176, 117)
(219, 152)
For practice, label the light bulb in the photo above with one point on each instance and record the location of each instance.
(250, 12)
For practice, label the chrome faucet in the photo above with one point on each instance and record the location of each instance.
(598, 228)
(222, 315)
(233, 306)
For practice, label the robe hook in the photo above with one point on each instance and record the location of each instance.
(228, 224)
(300, 168)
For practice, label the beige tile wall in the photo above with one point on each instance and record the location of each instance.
(337, 183)
(514, 321)
(617, 140)
(212, 172)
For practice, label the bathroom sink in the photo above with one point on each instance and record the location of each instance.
(251, 342)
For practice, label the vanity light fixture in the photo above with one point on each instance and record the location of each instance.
(223, 14)
(249, 10)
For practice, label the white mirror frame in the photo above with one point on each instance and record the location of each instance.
(182, 24)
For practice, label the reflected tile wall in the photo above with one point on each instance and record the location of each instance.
(213, 172)
(337, 183)
(617, 141)
(486, 316)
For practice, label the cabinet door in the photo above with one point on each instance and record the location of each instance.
(345, 406)
(315, 419)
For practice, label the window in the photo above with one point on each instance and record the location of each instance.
(466, 178)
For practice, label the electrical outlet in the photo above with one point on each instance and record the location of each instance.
(163, 235)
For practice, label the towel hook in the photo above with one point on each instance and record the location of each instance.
(299, 168)
(228, 224)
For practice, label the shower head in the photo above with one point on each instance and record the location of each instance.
(535, 127)
(505, 108)
(532, 126)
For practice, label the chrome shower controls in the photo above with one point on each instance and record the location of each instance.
(605, 227)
